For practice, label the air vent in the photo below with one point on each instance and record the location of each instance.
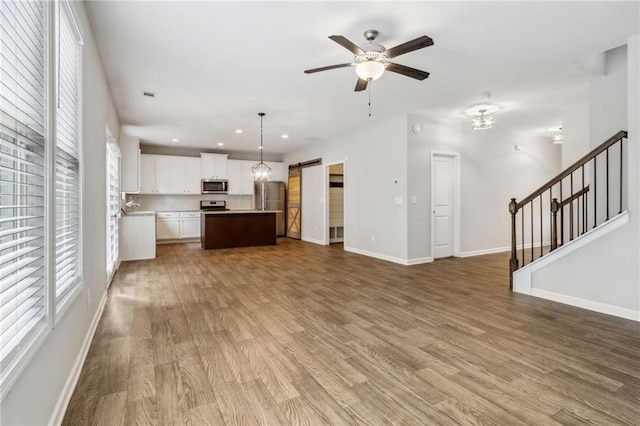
(149, 94)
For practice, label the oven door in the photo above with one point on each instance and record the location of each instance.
(214, 186)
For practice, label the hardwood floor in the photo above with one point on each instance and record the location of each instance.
(305, 334)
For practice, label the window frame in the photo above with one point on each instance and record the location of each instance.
(60, 307)
(15, 364)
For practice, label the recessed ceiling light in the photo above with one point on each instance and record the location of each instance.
(174, 140)
(238, 131)
(220, 144)
(285, 136)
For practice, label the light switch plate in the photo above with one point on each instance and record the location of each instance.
(398, 200)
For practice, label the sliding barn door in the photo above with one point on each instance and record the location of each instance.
(294, 213)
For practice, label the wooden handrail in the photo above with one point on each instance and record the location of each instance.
(575, 166)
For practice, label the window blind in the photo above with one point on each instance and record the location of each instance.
(113, 203)
(22, 174)
(67, 167)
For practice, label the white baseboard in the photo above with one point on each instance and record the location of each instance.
(603, 308)
(419, 260)
(377, 255)
(485, 251)
(313, 240)
(65, 396)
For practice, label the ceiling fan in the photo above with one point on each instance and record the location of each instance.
(372, 59)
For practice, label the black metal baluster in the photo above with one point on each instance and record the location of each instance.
(584, 204)
(595, 191)
(541, 237)
(561, 216)
(607, 181)
(551, 217)
(531, 203)
(524, 259)
(571, 208)
(621, 163)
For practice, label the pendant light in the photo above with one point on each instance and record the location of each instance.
(261, 171)
(482, 122)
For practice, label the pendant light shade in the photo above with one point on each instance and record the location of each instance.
(261, 171)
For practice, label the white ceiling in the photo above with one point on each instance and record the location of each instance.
(215, 65)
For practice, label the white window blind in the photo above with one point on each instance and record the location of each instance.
(113, 203)
(22, 175)
(67, 168)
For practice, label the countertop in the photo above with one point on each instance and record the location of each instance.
(239, 211)
(142, 213)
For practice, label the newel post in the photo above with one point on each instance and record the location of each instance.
(513, 262)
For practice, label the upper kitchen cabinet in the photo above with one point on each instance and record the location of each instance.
(130, 164)
(161, 174)
(185, 175)
(214, 166)
(155, 177)
(277, 171)
(240, 177)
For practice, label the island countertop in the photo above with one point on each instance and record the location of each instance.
(212, 212)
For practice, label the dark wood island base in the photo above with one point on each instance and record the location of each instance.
(241, 229)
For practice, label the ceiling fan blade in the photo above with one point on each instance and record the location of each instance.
(408, 71)
(330, 67)
(409, 46)
(361, 85)
(347, 44)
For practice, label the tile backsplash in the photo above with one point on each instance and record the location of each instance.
(161, 203)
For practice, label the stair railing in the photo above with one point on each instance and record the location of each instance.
(582, 197)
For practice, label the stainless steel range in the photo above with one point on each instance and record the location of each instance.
(213, 205)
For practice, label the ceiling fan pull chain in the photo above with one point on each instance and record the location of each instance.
(369, 99)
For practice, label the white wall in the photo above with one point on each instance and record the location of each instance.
(606, 272)
(575, 131)
(34, 396)
(312, 204)
(375, 170)
(492, 172)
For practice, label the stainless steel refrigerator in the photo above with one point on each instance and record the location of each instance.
(272, 196)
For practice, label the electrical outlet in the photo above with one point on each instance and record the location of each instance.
(373, 238)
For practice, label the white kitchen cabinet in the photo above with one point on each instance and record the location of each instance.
(162, 174)
(178, 225)
(148, 174)
(277, 171)
(190, 225)
(240, 177)
(214, 166)
(155, 176)
(138, 236)
(192, 176)
(168, 226)
(130, 164)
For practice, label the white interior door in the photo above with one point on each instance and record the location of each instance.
(443, 205)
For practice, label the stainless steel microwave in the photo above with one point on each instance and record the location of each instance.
(214, 186)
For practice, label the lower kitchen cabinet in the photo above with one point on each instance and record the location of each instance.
(168, 226)
(190, 225)
(178, 225)
(138, 236)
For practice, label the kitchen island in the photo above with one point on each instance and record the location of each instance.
(237, 228)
